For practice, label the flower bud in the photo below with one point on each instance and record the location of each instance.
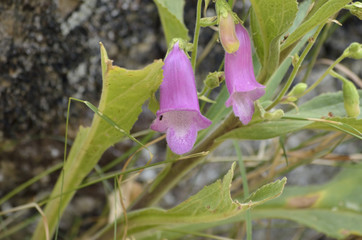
(351, 99)
(277, 114)
(227, 34)
(298, 90)
(290, 99)
(208, 21)
(355, 50)
(226, 27)
(214, 79)
(356, 9)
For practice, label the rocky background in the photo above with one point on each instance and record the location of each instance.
(49, 51)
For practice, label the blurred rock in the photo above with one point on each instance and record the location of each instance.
(49, 51)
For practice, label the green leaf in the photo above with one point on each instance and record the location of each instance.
(322, 106)
(318, 15)
(319, 108)
(120, 88)
(257, 36)
(334, 208)
(265, 130)
(335, 224)
(267, 192)
(303, 11)
(213, 203)
(270, 19)
(216, 113)
(275, 79)
(171, 15)
(350, 124)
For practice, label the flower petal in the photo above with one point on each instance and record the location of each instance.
(243, 104)
(181, 128)
(181, 139)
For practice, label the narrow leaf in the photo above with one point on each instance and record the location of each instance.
(171, 15)
(318, 16)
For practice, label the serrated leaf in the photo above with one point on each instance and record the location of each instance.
(334, 208)
(318, 15)
(171, 15)
(273, 17)
(267, 191)
(213, 203)
(120, 88)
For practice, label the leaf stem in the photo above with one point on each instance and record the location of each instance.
(196, 35)
(296, 69)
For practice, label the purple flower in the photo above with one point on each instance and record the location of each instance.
(179, 114)
(240, 79)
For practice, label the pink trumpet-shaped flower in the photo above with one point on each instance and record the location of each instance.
(179, 114)
(240, 79)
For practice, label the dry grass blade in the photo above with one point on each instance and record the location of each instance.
(31, 205)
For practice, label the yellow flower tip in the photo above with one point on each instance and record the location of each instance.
(227, 34)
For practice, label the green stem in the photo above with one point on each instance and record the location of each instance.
(296, 69)
(62, 173)
(204, 90)
(207, 94)
(315, 84)
(249, 225)
(231, 3)
(316, 51)
(196, 35)
(207, 49)
(340, 77)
